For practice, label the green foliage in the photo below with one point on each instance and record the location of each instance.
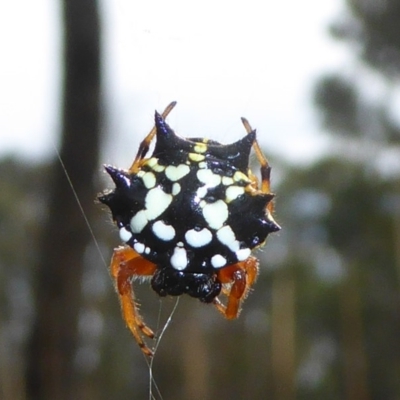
(339, 209)
(338, 100)
(373, 28)
(362, 224)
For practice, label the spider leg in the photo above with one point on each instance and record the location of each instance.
(241, 277)
(265, 167)
(126, 264)
(145, 144)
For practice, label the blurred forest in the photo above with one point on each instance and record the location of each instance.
(324, 319)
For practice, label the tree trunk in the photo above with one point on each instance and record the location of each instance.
(52, 345)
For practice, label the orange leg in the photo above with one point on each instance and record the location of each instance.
(144, 146)
(265, 168)
(126, 264)
(241, 277)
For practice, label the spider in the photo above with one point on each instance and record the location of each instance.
(189, 216)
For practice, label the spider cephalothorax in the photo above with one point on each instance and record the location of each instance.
(190, 216)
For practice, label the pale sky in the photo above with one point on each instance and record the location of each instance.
(219, 59)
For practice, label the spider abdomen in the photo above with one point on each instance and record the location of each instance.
(187, 217)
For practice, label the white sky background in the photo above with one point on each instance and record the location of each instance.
(219, 59)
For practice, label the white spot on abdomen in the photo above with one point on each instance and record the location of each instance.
(198, 238)
(240, 176)
(139, 221)
(226, 180)
(218, 261)
(200, 147)
(243, 254)
(215, 214)
(149, 180)
(124, 234)
(176, 188)
(196, 157)
(208, 177)
(139, 247)
(233, 192)
(163, 231)
(175, 173)
(151, 162)
(179, 258)
(201, 192)
(227, 237)
(156, 202)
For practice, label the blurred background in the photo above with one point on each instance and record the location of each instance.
(80, 80)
